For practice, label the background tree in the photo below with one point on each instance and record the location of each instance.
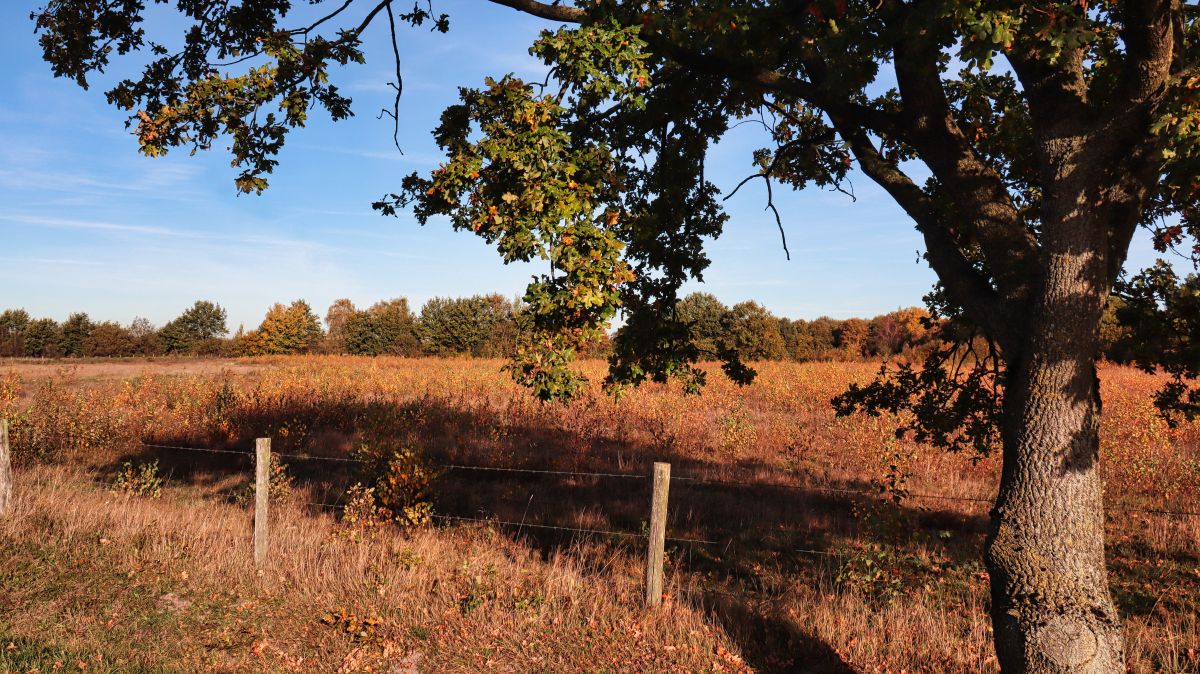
(894, 332)
(335, 325)
(363, 336)
(797, 339)
(285, 330)
(851, 336)
(397, 327)
(12, 332)
(885, 336)
(823, 332)
(74, 332)
(214, 347)
(386, 328)
(463, 326)
(1117, 331)
(109, 340)
(513, 325)
(753, 332)
(702, 314)
(174, 339)
(202, 321)
(43, 339)
(1159, 330)
(1039, 173)
(145, 336)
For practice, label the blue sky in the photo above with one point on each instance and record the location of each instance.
(87, 224)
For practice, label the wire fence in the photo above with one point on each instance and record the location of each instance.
(654, 533)
(684, 480)
(461, 467)
(654, 529)
(109, 486)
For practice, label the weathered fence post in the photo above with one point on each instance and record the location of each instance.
(6, 486)
(658, 533)
(262, 488)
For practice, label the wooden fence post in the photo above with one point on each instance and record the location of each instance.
(262, 488)
(658, 533)
(6, 486)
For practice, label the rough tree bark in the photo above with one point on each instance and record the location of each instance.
(1051, 606)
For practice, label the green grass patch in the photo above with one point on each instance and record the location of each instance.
(19, 654)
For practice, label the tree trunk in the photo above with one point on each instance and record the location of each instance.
(1051, 608)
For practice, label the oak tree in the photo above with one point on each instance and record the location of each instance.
(1027, 141)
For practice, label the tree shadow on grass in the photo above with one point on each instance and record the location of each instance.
(776, 644)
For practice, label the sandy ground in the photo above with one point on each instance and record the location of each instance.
(101, 370)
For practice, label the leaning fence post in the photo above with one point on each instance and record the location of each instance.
(262, 487)
(658, 533)
(6, 486)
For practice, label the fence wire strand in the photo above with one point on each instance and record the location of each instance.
(199, 449)
(602, 532)
(310, 457)
(542, 472)
(816, 488)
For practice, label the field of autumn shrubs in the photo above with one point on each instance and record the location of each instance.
(803, 542)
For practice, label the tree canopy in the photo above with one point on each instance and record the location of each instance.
(472, 325)
(285, 330)
(203, 320)
(386, 328)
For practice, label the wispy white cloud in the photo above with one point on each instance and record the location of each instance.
(252, 239)
(169, 182)
(390, 153)
(52, 260)
(69, 223)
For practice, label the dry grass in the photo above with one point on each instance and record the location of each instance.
(803, 579)
(169, 584)
(98, 370)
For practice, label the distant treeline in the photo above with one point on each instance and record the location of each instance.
(481, 325)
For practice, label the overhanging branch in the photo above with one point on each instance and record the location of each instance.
(1009, 248)
(551, 11)
(740, 71)
(964, 284)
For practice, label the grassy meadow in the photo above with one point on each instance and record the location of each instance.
(828, 546)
